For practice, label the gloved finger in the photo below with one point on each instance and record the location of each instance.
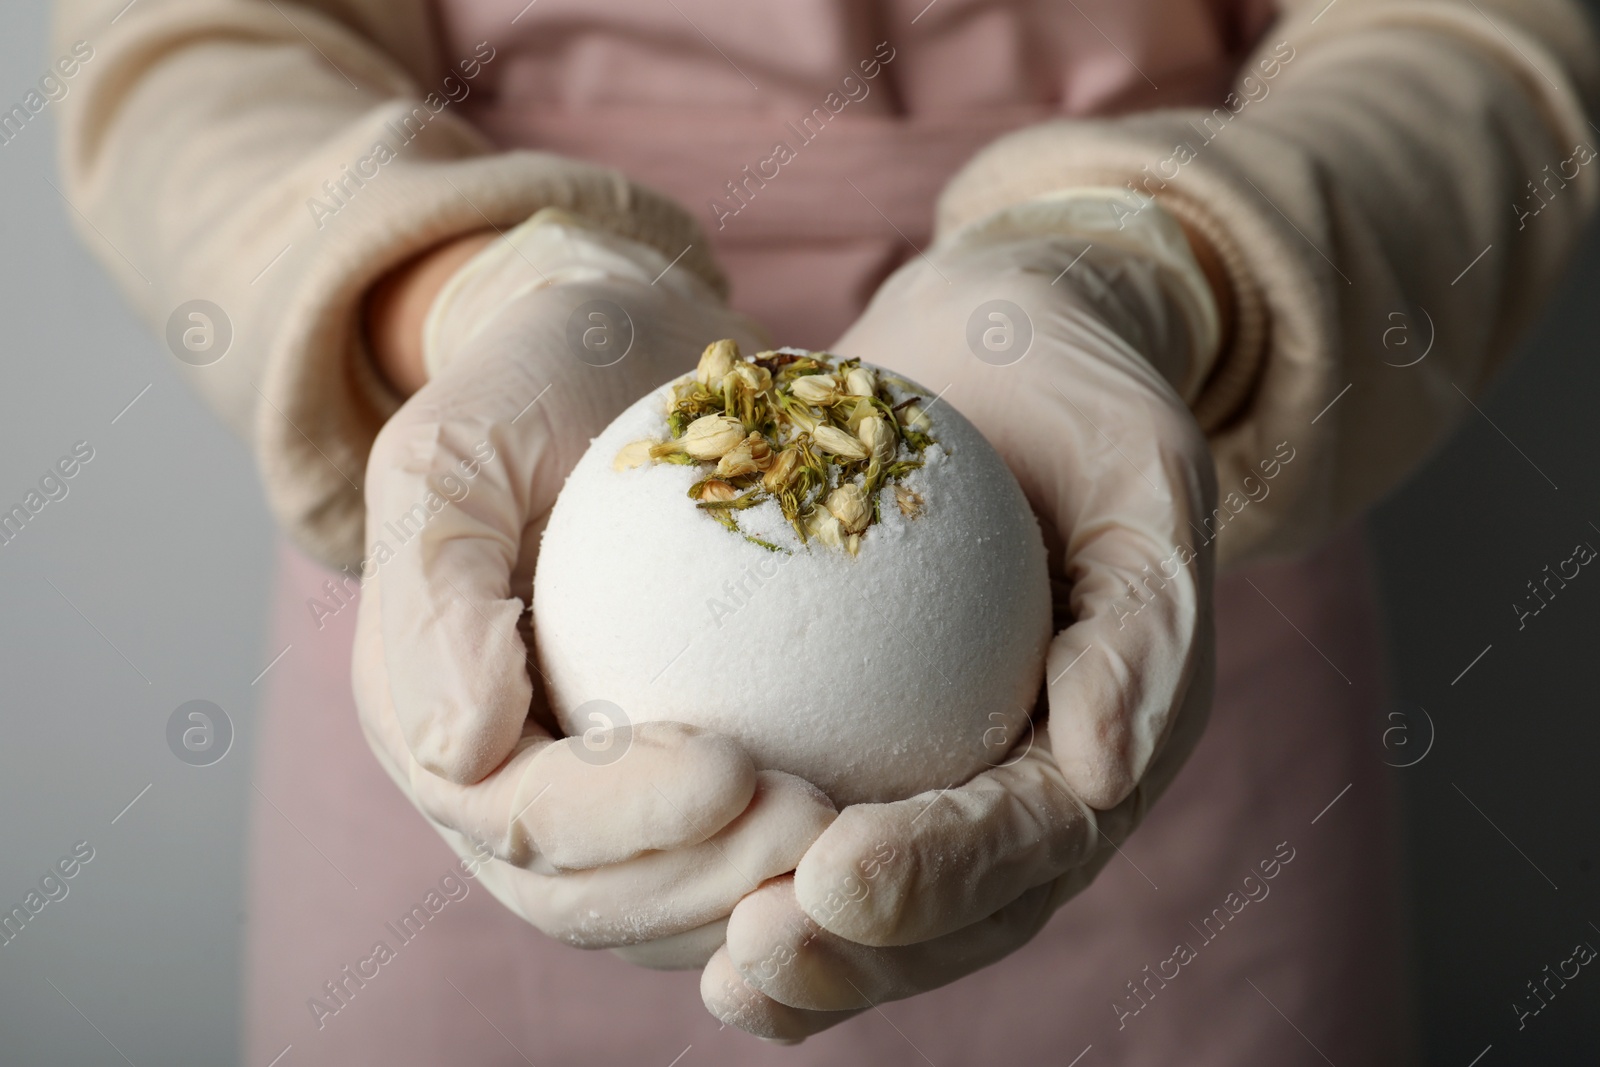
(688, 951)
(1189, 722)
(908, 871)
(461, 673)
(1138, 570)
(456, 481)
(662, 895)
(1121, 496)
(781, 952)
(578, 802)
(659, 894)
(1118, 473)
(659, 786)
(1116, 676)
(727, 996)
(1118, 823)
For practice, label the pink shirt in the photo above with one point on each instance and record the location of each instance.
(813, 137)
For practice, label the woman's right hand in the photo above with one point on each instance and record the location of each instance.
(640, 838)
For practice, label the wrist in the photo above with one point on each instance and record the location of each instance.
(397, 305)
(485, 280)
(1174, 303)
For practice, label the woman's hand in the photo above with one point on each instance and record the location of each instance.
(1065, 355)
(642, 836)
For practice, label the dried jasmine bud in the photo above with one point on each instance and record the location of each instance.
(821, 525)
(634, 454)
(818, 389)
(880, 440)
(785, 465)
(836, 442)
(851, 507)
(751, 377)
(714, 489)
(712, 436)
(750, 456)
(861, 382)
(716, 361)
(909, 502)
(912, 417)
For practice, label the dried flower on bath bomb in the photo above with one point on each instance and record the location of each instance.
(835, 441)
(850, 506)
(861, 382)
(749, 456)
(879, 438)
(822, 526)
(818, 389)
(910, 502)
(635, 454)
(715, 362)
(712, 436)
(788, 440)
(754, 378)
(782, 471)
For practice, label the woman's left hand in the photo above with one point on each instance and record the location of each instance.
(1063, 355)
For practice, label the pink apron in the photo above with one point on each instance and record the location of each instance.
(1254, 919)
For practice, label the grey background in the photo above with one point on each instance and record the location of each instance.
(165, 547)
(164, 544)
(1518, 734)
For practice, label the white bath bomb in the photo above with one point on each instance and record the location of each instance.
(911, 665)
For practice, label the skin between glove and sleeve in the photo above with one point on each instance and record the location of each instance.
(895, 899)
(619, 835)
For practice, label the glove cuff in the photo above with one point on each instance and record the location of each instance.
(550, 248)
(1116, 219)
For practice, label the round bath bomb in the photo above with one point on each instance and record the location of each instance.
(807, 555)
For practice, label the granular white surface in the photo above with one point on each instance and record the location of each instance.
(910, 667)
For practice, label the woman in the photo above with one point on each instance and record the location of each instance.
(1206, 220)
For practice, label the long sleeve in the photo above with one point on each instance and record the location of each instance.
(1388, 178)
(276, 158)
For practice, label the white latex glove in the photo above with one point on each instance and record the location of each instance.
(642, 836)
(895, 899)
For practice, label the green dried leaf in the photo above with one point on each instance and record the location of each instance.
(738, 503)
(768, 545)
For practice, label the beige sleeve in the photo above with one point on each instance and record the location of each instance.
(197, 139)
(1390, 177)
